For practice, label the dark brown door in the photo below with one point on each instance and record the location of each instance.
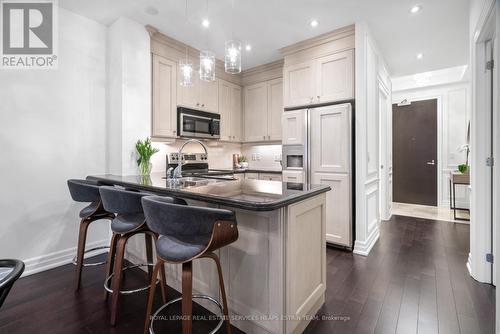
(414, 133)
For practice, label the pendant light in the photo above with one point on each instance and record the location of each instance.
(207, 62)
(185, 66)
(232, 53)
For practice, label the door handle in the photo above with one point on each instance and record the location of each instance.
(432, 162)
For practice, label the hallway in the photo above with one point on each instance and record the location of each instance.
(414, 281)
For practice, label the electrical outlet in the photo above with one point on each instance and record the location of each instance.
(254, 156)
(259, 156)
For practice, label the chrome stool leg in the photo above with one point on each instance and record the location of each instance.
(210, 299)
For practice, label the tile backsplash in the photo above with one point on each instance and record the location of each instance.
(262, 156)
(220, 154)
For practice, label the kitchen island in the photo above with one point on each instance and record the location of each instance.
(275, 272)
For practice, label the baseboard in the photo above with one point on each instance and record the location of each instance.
(52, 260)
(364, 247)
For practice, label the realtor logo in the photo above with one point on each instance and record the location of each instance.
(28, 34)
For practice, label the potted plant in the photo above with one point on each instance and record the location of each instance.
(145, 151)
(464, 168)
(243, 161)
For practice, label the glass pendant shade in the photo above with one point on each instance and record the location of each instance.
(186, 73)
(207, 66)
(232, 62)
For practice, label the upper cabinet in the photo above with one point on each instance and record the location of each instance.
(164, 97)
(274, 108)
(299, 84)
(335, 77)
(320, 70)
(263, 107)
(322, 80)
(255, 106)
(202, 95)
(230, 111)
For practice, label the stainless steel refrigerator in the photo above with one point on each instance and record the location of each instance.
(318, 148)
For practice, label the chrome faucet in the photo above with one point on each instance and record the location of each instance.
(178, 170)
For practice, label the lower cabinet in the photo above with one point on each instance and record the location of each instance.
(338, 224)
(293, 176)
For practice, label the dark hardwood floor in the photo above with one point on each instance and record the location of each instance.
(414, 281)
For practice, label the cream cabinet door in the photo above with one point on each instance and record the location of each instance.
(274, 108)
(207, 98)
(164, 122)
(188, 96)
(293, 127)
(330, 139)
(335, 77)
(225, 108)
(299, 84)
(236, 114)
(338, 224)
(255, 112)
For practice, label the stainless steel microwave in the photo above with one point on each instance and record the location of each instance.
(193, 123)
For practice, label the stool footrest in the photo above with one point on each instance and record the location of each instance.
(74, 261)
(129, 292)
(211, 299)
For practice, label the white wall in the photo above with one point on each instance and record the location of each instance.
(52, 129)
(370, 70)
(453, 110)
(129, 93)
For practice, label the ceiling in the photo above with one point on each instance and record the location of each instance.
(439, 31)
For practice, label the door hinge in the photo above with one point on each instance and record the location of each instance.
(490, 65)
(490, 162)
(489, 258)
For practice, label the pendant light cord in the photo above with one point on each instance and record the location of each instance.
(186, 22)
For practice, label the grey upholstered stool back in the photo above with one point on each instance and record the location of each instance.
(127, 206)
(168, 218)
(85, 191)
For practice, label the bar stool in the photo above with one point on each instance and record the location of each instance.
(86, 191)
(10, 271)
(188, 233)
(128, 222)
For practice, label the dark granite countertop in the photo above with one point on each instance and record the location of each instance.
(254, 195)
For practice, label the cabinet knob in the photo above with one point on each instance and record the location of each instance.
(312, 99)
(318, 98)
(197, 104)
(203, 105)
(174, 131)
(264, 137)
(269, 137)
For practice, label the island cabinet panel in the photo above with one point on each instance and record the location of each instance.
(305, 261)
(164, 122)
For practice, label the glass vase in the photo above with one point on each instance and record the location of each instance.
(145, 166)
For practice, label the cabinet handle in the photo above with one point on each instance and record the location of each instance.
(318, 98)
(264, 137)
(174, 131)
(269, 137)
(312, 99)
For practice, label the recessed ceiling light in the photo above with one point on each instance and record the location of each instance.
(151, 11)
(314, 23)
(248, 47)
(420, 55)
(415, 9)
(205, 23)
